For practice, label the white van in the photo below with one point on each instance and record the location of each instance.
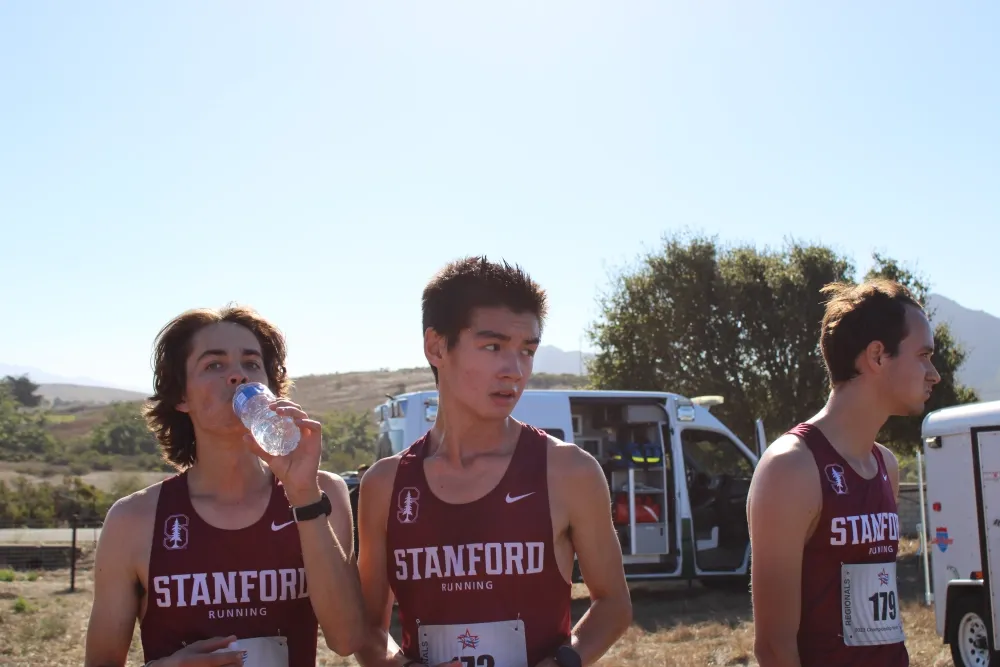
(962, 459)
(679, 506)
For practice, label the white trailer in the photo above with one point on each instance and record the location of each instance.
(962, 454)
(680, 513)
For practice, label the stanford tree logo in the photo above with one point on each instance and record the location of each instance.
(407, 505)
(175, 532)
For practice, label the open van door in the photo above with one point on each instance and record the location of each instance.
(761, 438)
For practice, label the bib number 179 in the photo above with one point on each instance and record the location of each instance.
(484, 660)
(883, 605)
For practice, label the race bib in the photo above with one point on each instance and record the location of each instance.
(261, 651)
(869, 604)
(499, 644)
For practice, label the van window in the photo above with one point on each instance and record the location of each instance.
(714, 454)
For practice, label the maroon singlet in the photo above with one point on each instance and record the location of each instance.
(478, 581)
(208, 582)
(850, 602)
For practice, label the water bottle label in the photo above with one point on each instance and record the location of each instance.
(246, 392)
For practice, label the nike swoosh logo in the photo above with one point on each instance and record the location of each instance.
(276, 527)
(514, 499)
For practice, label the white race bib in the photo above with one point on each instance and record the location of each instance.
(498, 644)
(869, 604)
(261, 651)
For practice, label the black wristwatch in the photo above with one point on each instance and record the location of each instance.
(321, 507)
(566, 656)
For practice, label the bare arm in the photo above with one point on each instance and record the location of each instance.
(116, 595)
(328, 556)
(783, 503)
(379, 649)
(583, 489)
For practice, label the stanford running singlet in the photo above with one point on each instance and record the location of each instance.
(850, 604)
(208, 582)
(478, 582)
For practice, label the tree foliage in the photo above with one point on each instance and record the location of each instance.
(124, 433)
(348, 440)
(43, 504)
(23, 390)
(22, 434)
(698, 318)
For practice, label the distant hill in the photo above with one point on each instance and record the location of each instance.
(365, 390)
(41, 376)
(979, 334)
(978, 331)
(551, 359)
(56, 395)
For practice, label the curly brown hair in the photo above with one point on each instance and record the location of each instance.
(173, 428)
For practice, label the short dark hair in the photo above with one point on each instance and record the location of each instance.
(475, 282)
(173, 428)
(855, 316)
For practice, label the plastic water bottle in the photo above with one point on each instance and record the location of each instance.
(276, 435)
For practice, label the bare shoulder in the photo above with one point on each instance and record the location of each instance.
(382, 472)
(786, 471)
(332, 483)
(127, 529)
(378, 479)
(573, 468)
(134, 510)
(789, 452)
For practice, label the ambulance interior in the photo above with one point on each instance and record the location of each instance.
(625, 437)
(631, 436)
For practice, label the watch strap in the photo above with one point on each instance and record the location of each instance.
(566, 656)
(321, 507)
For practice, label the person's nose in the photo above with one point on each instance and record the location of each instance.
(513, 366)
(238, 377)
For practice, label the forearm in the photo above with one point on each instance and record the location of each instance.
(380, 650)
(334, 588)
(600, 627)
(777, 652)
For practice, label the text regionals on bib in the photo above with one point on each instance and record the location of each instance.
(230, 588)
(469, 560)
(865, 529)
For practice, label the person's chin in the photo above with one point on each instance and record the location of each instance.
(492, 412)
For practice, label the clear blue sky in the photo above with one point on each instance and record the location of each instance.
(155, 157)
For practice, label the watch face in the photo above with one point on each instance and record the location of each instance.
(567, 657)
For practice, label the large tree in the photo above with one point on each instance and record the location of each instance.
(23, 390)
(698, 318)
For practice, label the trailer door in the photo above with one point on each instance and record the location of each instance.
(986, 464)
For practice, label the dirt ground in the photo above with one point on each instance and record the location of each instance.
(44, 625)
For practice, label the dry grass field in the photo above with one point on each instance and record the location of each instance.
(42, 625)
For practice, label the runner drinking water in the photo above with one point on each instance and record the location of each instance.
(238, 544)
